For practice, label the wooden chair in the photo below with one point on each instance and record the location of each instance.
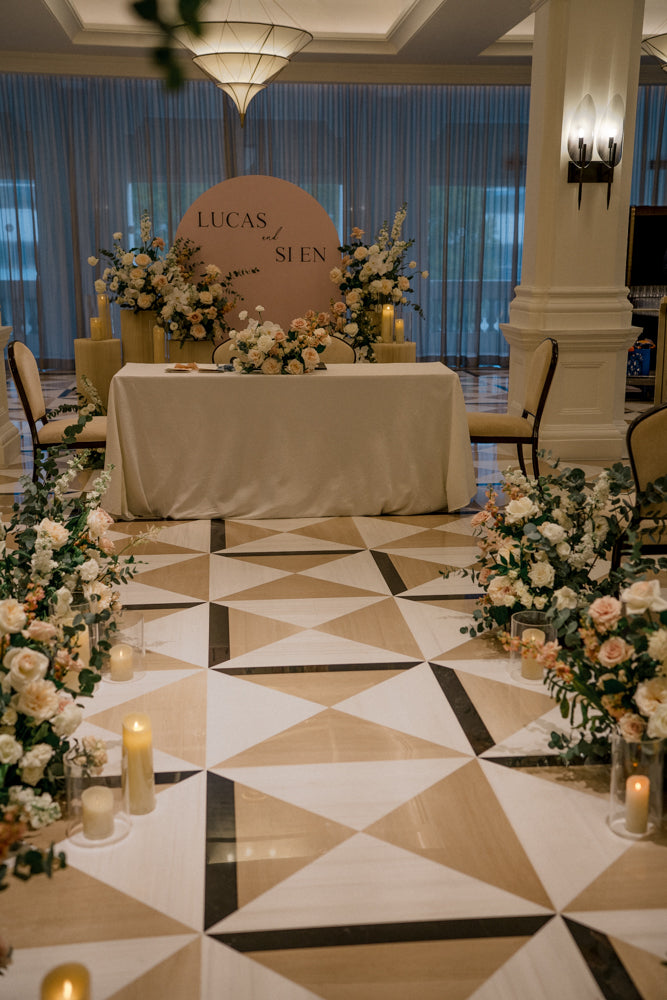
(338, 352)
(25, 373)
(645, 439)
(223, 353)
(504, 428)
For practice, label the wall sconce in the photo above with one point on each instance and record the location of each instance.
(583, 138)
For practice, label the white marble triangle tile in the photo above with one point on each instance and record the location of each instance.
(466, 555)
(161, 861)
(548, 967)
(645, 929)
(288, 543)
(182, 635)
(148, 563)
(355, 794)
(134, 592)
(563, 831)
(531, 739)
(436, 588)
(377, 531)
(493, 669)
(312, 647)
(111, 967)
(305, 614)
(460, 527)
(364, 880)
(435, 629)
(189, 534)
(282, 524)
(228, 974)
(358, 570)
(241, 714)
(458, 582)
(109, 694)
(228, 576)
(412, 702)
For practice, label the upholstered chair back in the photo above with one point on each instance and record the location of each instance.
(29, 375)
(648, 455)
(338, 352)
(536, 376)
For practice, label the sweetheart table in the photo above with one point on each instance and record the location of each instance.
(349, 440)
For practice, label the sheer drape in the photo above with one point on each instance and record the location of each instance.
(80, 158)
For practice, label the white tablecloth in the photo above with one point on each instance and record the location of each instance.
(351, 440)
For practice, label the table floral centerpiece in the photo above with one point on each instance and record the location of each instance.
(545, 550)
(371, 275)
(265, 347)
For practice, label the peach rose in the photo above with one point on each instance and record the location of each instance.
(98, 522)
(631, 727)
(605, 612)
(271, 366)
(614, 651)
(38, 699)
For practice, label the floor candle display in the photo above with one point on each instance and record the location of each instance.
(138, 763)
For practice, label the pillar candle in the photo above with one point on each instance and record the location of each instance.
(97, 812)
(399, 331)
(105, 315)
(637, 791)
(97, 328)
(387, 327)
(67, 982)
(122, 662)
(81, 647)
(531, 668)
(138, 763)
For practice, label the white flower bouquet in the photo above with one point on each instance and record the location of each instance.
(265, 347)
(610, 672)
(134, 277)
(370, 275)
(545, 549)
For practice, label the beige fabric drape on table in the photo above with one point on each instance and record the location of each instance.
(351, 440)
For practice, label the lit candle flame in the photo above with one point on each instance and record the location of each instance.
(67, 990)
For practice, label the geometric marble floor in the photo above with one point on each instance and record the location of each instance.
(355, 800)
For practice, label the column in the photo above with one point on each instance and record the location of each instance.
(573, 270)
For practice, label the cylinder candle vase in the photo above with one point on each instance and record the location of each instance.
(635, 790)
(138, 763)
(97, 809)
(530, 630)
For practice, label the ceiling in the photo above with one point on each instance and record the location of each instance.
(353, 40)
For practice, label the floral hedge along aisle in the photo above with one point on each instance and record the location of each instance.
(265, 347)
(547, 549)
(369, 276)
(59, 575)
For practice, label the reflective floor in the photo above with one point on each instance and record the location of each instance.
(355, 800)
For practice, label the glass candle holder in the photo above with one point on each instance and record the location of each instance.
(635, 790)
(125, 660)
(532, 627)
(97, 807)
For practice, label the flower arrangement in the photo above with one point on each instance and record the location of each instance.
(370, 275)
(196, 309)
(134, 277)
(265, 347)
(543, 550)
(610, 671)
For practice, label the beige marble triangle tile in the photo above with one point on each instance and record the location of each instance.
(486, 647)
(326, 687)
(333, 737)
(299, 587)
(404, 970)
(176, 976)
(378, 625)
(94, 912)
(423, 540)
(636, 879)
(648, 973)
(265, 858)
(178, 717)
(341, 530)
(294, 563)
(239, 533)
(248, 632)
(189, 577)
(463, 826)
(159, 661)
(504, 708)
(414, 572)
(426, 521)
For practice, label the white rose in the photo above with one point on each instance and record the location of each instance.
(12, 615)
(657, 645)
(98, 522)
(11, 750)
(643, 596)
(56, 533)
(565, 598)
(100, 286)
(541, 574)
(38, 699)
(118, 236)
(68, 720)
(24, 665)
(37, 756)
(552, 532)
(89, 570)
(63, 602)
(657, 724)
(264, 343)
(500, 592)
(651, 694)
(9, 717)
(520, 510)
